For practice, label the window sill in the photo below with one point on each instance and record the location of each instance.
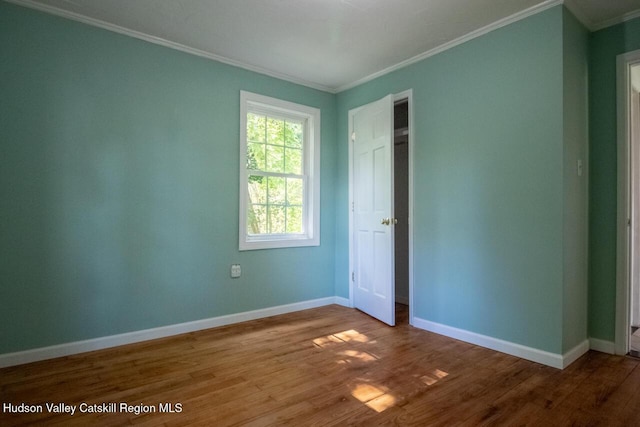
(288, 242)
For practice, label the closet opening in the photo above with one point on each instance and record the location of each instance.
(401, 208)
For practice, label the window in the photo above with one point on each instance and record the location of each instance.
(279, 173)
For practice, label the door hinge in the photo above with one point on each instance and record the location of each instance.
(353, 136)
(352, 206)
(353, 276)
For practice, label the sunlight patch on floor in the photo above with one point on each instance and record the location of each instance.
(381, 403)
(360, 355)
(329, 339)
(376, 397)
(352, 335)
(433, 377)
(365, 392)
(341, 337)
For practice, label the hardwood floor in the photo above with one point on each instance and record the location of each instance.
(326, 366)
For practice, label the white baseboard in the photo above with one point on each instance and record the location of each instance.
(343, 302)
(529, 353)
(67, 349)
(574, 354)
(539, 356)
(602, 346)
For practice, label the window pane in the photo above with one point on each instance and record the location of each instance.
(293, 134)
(275, 159)
(255, 156)
(276, 219)
(293, 161)
(279, 152)
(276, 191)
(257, 219)
(256, 126)
(257, 189)
(275, 131)
(294, 191)
(294, 219)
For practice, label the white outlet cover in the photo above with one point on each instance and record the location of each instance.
(236, 271)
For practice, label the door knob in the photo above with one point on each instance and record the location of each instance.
(385, 221)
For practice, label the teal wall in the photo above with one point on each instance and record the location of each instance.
(575, 220)
(119, 187)
(119, 178)
(604, 46)
(488, 214)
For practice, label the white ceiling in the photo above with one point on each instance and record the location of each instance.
(327, 44)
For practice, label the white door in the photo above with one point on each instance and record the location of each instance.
(372, 209)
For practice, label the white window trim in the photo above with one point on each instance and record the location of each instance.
(311, 236)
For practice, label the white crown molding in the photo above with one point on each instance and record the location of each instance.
(453, 43)
(166, 43)
(579, 13)
(614, 21)
(67, 349)
(599, 25)
(570, 4)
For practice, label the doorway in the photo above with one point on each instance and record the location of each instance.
(628, 268)
(634, 140)
(380, 199)
(401, 207)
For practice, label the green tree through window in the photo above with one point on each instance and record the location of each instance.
(280, 151)
(275, 179)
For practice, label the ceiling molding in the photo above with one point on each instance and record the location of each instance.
(570, 4)
(166, 43)
(467, 37)
(614, 21)
(579, 14)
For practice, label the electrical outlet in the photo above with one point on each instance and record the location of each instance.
(236, 271)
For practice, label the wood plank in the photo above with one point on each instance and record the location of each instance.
(321, 367)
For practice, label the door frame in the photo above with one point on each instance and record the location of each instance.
(623, 265)
(408, 95)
